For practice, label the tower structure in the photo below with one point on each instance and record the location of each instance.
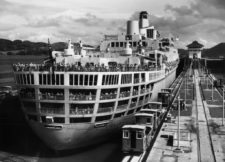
(195, 50)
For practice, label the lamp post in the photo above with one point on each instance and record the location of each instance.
(185, 91)
(223, 106)
(212, 90)
(178, 125)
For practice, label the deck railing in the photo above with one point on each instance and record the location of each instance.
(107, 96)
(105, 109)
(124, 94)
(47, 110)
(82, 97)
(133, 104)
(122, 107)
(135, 93)
(95, 68)
(81, 111)
(27, 96)
(51, 97)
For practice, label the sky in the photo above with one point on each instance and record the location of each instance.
(89, 20)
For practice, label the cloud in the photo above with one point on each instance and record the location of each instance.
(37, 20)
(200, 20)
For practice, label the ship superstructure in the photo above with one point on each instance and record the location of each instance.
(77, 97)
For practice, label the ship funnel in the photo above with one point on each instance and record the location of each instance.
(143, 20)
(132, 27)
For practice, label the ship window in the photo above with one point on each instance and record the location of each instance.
(80, 120)
(138, 109)
(32, 117)
(136, 78)
(76, 79)
(21, 76)
(81, 79)
(81, 109)
(62, 79)
(130, 43)
(40, 79)
(32, 78)
(44, 79)
(110, 79)
(152, 86)
(144, 44)
(28, 78)
(107, 80)
(49, 79)
(126, 78)
(117, 44)
(121, 44)
(130, 112)
(91, 80)
(102, 118)
(18, 79)
(139, 135)
(53, 79)
(126, 134)
(143, 77)
(103, 80)
(119, 115)
(86, 80)
(43, 119)
(57, 79)
(112, 44)
(148, 120)
(24, 79)
(21, 79)
(71, 79)
(150, 33)
(59, 120)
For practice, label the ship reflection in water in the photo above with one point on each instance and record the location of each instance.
(18, 139)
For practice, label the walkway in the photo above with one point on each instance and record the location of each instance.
(206, 153)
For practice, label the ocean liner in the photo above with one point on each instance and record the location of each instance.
(80, 97)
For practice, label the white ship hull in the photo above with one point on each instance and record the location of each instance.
(72, 136)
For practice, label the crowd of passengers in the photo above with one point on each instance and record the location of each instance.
(87, 67)
(81, 96)
(81, 111)
(51, 95)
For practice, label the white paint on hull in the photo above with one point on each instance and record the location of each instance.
(73, 136)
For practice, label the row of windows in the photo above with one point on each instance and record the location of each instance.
(83, 79)
(80, 109)
(51, 79)
(48, 119)
(91, 80)
(110, 79)
(123, 44)
(25, 78)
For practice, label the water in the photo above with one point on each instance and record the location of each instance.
(16, 137)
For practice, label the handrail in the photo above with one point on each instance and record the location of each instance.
(82, 97)
(105, 109)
